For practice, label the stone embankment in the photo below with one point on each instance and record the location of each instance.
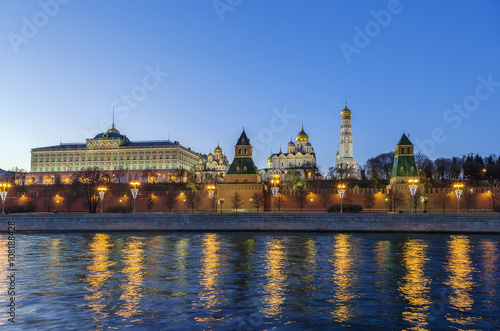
(363, 222)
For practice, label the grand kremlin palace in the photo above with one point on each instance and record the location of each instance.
(111, 151)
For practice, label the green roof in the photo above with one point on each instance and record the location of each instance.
(404, 141)
(404, 166)
(242, 166)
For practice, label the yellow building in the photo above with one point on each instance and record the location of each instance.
(112, 152)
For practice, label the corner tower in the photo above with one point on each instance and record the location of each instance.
(404, 166)
(345, 163)
(243, 168)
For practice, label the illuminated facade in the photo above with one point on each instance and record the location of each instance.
(212, 168)
(299, 156)
(112, 152)
(345, 163)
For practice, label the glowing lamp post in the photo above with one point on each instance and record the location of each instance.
(211, 191)
(413, 189)
(134, 191)
(341, 191)
(458, 192)
(101, 190)
(275, 189)
(3, 194)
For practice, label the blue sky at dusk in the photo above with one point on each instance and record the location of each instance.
(198, 71)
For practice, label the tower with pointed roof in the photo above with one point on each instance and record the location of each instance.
(242, 169)
(345, 163)
(242, 177)
(404, 166)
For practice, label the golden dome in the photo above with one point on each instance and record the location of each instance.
(302, 136)
(218, 149)
(345, 111)
(269, 160)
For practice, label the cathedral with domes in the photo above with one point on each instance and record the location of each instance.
(299, 156)
(211, 168)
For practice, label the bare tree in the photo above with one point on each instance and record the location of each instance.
(88, 181)
(150, 201)
(192, 200)
(470, 199)
(119, 175)
(494, 190)
(325, 199)
(69, 196)
(301, 198)
(170, 200)
(397, 198)
(369, 199)
(257, 200)
(236, 201)
(441, 200)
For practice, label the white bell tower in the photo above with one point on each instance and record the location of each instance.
(345, 164)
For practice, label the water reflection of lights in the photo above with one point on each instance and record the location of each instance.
(415, 289)
(275, 288)
(344, 277)
(98, 274)
(210, 296)
(460, 269)
(133, 255)
(489, 260)
(311, 250)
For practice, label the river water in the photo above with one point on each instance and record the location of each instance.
(254, 281)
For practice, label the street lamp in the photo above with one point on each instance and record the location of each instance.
(458, 192)
(386, 204)
(101, 190)
(341, 191)
(211, 191)
(413, 189)
(275, 181)
(3, 194)
(134, 191)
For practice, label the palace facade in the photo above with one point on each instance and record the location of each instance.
(112, 152)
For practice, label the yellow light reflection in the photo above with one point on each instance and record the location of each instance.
(490, 280)
(311, 260)
(99, 273)
(275, 288)
(211, 262)
(344, 277)
(460, 268)
(133, 255)
(415, 289)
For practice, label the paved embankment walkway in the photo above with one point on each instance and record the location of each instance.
(363, 222)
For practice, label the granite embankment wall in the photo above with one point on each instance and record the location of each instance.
(458, 223)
